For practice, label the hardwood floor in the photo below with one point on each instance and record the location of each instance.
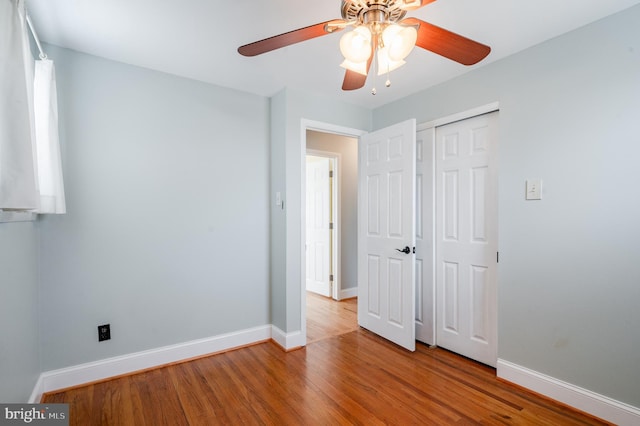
(355, 378)
(327, 317)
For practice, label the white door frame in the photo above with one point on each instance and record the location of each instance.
(319, 126)
(431, 125)
(335, 214)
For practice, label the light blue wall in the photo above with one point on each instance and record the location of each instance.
(167, 232)
(19, 337)
(569, 282)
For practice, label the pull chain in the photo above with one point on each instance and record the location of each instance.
(375, 72)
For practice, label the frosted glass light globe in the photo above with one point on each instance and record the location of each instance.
(356, 45)
(399, 40)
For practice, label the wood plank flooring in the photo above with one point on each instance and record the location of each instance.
(355, 378)
(327, 317)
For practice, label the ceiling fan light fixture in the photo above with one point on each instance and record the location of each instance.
(399, 40)
(382, 38)
(359, 67)
(356, 45)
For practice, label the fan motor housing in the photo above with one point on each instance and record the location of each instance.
(377, 11)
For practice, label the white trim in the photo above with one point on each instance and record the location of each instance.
(582, 399)
(347, 293)
(306, 124)
(38, 390)
(484, 109)
(116, 366)
(288, 341)
(329, 128)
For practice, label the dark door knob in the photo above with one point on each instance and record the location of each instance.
(405, 250)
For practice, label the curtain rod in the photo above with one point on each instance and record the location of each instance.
(35, 38)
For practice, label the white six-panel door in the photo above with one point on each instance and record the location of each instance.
(318, 211)
(466, 237)
(386, 219)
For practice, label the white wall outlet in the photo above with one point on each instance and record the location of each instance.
(533, 189)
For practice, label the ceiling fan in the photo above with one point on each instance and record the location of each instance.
(381, 32)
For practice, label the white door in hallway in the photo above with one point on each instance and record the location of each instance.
(386, 233)
(466, 237)
(318, 211)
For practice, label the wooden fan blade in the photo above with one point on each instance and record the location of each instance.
(292, 37)
(413, 4)
(353, 80)
(448, 44)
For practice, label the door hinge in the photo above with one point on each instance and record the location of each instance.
(497, 257)
(331, 277)
(330, 225)
(330, 173)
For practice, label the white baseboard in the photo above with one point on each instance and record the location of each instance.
(582, 399)
(347, 293)
(38, 391)
(288, 341)
(116, 366)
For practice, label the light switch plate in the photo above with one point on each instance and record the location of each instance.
(533, 189)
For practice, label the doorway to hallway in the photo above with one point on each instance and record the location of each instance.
(331, 272)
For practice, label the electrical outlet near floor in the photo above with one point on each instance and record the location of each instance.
(104, 332)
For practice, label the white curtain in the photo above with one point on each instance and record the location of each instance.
(47, 144)
(30, 166)
(18, 174)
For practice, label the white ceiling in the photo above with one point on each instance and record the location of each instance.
(198, 38)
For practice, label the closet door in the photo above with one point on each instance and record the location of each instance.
(466, 237)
